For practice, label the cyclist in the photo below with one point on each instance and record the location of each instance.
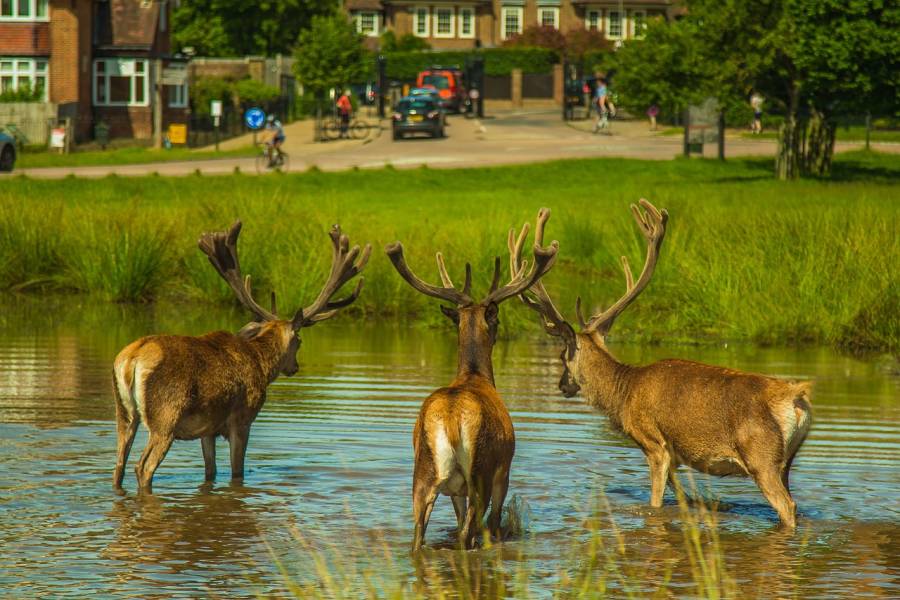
(345, 108)
(273, 144)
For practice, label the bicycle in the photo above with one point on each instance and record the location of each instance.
(357, 130)
(265, 163)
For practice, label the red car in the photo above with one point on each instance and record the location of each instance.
(449, 83)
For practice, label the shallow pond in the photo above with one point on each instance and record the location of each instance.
(329, 471)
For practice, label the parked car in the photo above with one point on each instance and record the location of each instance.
(449, 82)
(430, 93)
(7, 152)
(417, 114)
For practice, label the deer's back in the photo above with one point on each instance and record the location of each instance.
(465, 426)
(196, 381)
(705, 411)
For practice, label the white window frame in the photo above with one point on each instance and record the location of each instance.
(635, 33)
(554, 10)
(466, 10)
(434, 26)
(177, 95)
(376, 22)
(31, 71)
(587, 18)
(33, 6)
(107, 74)
(621, 19)
(421, 11)
(519, 11)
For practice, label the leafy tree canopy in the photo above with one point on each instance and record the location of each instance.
(330, 54)
(240, 28)
(405, 43)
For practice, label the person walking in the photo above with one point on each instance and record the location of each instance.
(756, 103)
(345, 109)
(653, 112)
(603, 104)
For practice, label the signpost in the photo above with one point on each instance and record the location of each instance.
(704, 123)
(215, 110)
(254, 119)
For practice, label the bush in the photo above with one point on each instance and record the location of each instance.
(405, 43)
(497, 61)
(206, 89)
(250, 91)
(24, 93)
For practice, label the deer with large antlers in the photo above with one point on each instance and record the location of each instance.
(463, 439)
(187, 388)
(715, 420)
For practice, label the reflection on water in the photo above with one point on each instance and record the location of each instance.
(330, 468)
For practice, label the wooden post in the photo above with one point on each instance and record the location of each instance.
(721, 135)
(687, 128)
(868, 128)
(516, 87)
(157, 104)
(558, 84)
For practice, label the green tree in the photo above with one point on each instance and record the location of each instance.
(813, 61)
(330, 54)
(236, 28)
(407, 42)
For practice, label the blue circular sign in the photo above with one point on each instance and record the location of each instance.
(254, 118)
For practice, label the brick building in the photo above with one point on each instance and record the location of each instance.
(451, 24)
(96, 59)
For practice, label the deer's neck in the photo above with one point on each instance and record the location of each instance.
(269, 348)
(474, 349)
(604, 381)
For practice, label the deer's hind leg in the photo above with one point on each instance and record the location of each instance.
(424, 496)
(126, 429)
(154, 453)
(498, 497)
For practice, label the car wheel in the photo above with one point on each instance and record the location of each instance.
(398, 135)
(7, 159)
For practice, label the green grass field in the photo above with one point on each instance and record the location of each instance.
(133, 155)
(746, 257)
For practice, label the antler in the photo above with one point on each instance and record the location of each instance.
(344, 267)
(221, 249)
(520, 281)
(652, 223)
(448, 292)
(536, 297)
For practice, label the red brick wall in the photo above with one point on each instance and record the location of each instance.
(127, 121)
(24, 39)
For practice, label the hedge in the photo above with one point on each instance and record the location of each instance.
(497, 61)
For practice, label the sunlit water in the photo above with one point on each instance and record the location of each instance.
(330, 462)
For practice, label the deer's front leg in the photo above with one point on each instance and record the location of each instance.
(658, 459)
(237, 439)
(208, 444)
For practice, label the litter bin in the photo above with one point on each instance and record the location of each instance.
(101, 133)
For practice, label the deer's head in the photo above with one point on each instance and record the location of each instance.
(221, 249)
(478, 320)
(652, 224)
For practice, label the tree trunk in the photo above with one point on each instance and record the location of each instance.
(787, 161)
(817, 159)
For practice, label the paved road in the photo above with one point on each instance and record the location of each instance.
(509, 137)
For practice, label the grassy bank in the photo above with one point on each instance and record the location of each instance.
(133, 155)
(746, 257)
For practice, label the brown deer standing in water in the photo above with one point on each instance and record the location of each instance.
(186, 388)
(463, 439)
(715, 420)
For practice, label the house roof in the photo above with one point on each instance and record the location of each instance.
(133, 22)
(363, 5)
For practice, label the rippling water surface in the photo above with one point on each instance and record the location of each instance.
(329, 470)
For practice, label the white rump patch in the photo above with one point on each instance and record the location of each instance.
(444, 455)
(124, 392)
(138, 391)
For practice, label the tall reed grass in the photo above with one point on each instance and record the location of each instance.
(745, 257)
(601, 562)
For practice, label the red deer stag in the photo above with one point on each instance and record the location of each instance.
(715, 420)
(201, 387)
(463, 439)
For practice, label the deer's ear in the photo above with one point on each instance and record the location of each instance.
(450, 313)
(250, 330)
(492, 312)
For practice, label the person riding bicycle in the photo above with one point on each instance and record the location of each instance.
(273, 144)
(345, 108)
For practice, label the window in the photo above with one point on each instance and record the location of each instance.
(420, 21)
(638, 23)
(178, 95)
(466, 23)
(511, 21)
(366, 22)
(592, 19)
(443, 22)
(23, 73)
(548, 16)
(23, 10)
(614, 25)
(121, 82)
